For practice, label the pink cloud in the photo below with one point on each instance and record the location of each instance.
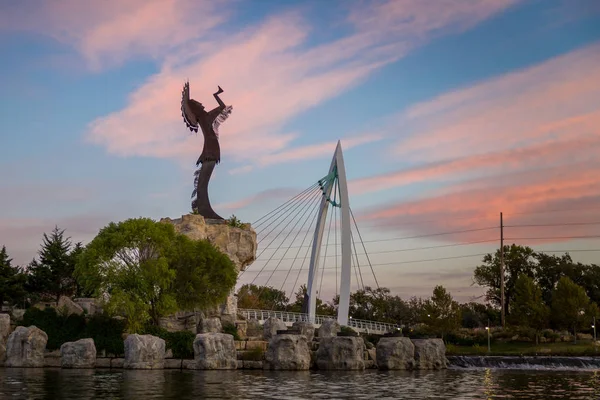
(109, 32)
(252, 67)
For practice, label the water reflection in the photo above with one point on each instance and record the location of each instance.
(16, 383)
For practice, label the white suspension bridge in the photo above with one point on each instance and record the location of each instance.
(330, 196)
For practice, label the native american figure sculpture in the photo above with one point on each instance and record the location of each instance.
(194, 115)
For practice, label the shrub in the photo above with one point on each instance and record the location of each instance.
(181, 343)
(59, 328)
(347, 331)
(254, 354)
(107, 333)
(232, 330)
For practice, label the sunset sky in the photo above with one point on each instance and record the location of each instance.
(449, 112)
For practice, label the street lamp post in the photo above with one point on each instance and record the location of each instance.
(488, 332)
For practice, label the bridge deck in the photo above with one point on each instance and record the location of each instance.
(289, 318)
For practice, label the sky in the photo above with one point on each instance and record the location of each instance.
(448, 111)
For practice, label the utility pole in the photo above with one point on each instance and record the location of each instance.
(502, 310)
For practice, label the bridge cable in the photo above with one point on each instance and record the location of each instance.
(276, 236)
(299, 249)
(307, 207)
(299, 204)
(302, 265)
(364, 248)
(257, 224)
(357, 262)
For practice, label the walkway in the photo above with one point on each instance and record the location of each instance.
(289, 318)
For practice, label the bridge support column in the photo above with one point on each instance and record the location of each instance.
(337, 168)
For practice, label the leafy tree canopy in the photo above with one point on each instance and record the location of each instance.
(528, 308)
(145, 270)
(442, 312)
(262, 298)
(571, 306)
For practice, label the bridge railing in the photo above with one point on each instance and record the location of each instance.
(291, 317)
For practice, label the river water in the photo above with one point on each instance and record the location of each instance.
(16, 383)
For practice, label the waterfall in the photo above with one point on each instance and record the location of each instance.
(524, 362)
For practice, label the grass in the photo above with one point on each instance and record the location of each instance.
(582, 348)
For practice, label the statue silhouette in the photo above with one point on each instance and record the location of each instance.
(195, 116)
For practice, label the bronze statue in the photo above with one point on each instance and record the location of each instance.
(194, 116)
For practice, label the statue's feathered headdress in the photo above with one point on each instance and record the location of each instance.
(187, 112)
(222, 117)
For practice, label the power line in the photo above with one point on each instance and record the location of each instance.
(563, 224)
(424, 236)
(555, 237)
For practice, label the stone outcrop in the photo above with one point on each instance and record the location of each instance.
(25, 347)
(214, 351)
(288, 352)
(79, 354)
(209, 325)
(395, 353)
(68, 306)
(238, 243)
(271, 326)
(430, 354)
(4, 327)
(306, 329)
(341, 353)
(144, 352)
(329, 328)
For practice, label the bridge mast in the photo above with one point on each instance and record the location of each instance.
(338, 170)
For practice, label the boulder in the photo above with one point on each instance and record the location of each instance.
(288, 352)
(79, 354)
(306, 329)
(395, 353)
(4, 327)
(341, 352)
(214, 351)
(430, 354)
(329, 328)
(144, 352)
(25, 347)
(271, 326)
(209, 325)
(68, 306)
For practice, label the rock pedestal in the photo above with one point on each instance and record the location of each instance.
(395, 353)
(25, 347)
(329, 328)
(306, 329)
(430, 354)
(210, 325)
(238, 243)
(67, 305)
(288, 352)
(271, 326)
(341, 352)
(79, 354)
(214, 351)
(4, 331)
(144, 352)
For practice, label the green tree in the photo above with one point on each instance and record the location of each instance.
(377, 305)
(477, 315)
(261, 298)
(528, 308)
(51, 276)
(127, 264)
(571, 306)
(204, 275)
(517, 260)
(323, 308)
(145, 270)
(441, 311)
(12, 281)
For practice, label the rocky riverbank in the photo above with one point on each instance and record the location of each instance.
(276, 348)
